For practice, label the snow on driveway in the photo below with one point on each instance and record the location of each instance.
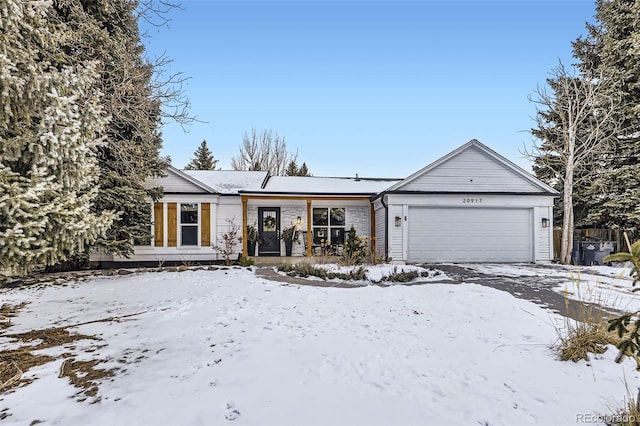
(225, 347)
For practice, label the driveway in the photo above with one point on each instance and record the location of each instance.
(536, 283)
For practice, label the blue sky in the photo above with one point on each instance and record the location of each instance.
(378, 88)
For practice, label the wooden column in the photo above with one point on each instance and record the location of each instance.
(245, 249)
(309, 229)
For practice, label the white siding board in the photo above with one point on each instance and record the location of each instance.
(172, 183)
(395, 234)
(471, 171)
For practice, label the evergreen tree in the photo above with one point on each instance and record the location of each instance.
(203, 159)
(293, 169)
(611, 50)
(50, 127)
(106, 31)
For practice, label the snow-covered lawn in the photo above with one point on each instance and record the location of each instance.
(226, 347)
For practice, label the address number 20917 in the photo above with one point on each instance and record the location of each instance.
(471, 200)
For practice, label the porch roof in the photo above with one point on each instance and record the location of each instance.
(312, 185)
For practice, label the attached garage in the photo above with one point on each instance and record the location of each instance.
(472, 205)
(445, 234)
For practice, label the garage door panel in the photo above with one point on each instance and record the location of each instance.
(469, 235)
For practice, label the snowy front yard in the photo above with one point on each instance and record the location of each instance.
(226, 347)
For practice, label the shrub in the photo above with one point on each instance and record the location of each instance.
(226, 245)
(246, 261)
(355, 248)
(578, 339)
(305, 270)
(402, 276)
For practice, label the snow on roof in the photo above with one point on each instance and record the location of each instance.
(229, 181)
(326, 185)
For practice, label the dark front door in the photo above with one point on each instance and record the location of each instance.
(269, 229)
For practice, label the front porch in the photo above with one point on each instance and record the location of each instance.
(320, 223)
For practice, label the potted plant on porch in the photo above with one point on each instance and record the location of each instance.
(290, 235)
(253, 239)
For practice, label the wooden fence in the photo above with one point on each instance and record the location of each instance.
(590, 234)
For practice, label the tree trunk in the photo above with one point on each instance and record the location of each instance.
(566, 245)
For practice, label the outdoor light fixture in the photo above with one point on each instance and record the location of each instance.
(545, 222)
(299, 220)
(398, 221)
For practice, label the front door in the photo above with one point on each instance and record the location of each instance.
(269, 229)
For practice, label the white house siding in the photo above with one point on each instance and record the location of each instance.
(229, 209)
(471, 171)
(172, 183)
(544, 235)
(399, 205)
(396, 234)
(380, 227)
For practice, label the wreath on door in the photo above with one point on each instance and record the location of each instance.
(269, 223)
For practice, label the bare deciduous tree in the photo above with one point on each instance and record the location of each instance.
(575, 126)
(265, 151)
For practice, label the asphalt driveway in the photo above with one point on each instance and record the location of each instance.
(535, 283)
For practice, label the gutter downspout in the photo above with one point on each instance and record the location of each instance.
(386, 227)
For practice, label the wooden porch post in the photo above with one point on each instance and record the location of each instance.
(245, 250)
(309, 233)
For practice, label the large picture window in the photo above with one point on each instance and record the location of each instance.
(189, 224)
(328, 225)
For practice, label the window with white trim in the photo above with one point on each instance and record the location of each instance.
(189, 224)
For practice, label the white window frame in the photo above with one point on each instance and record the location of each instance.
(193, 225)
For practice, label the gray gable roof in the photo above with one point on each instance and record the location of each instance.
(473, 168)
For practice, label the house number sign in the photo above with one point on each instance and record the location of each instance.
(471, 200)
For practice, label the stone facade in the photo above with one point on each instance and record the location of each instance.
(358, 217)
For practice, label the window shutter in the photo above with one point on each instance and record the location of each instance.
(205, 229)
(172, 222)
(158, 224)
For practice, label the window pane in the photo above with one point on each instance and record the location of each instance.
(320, 217)
(189, 213)
(269, 221)
(189, 235)
(320, 235)
(337, 235)
(337, 217)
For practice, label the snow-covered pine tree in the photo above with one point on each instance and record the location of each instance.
(611, 50)
(203, 159)
(106, 31)
(50, 127)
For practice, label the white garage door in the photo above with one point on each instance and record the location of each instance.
(469, 235)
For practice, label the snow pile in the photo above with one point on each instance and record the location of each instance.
(222, 347)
